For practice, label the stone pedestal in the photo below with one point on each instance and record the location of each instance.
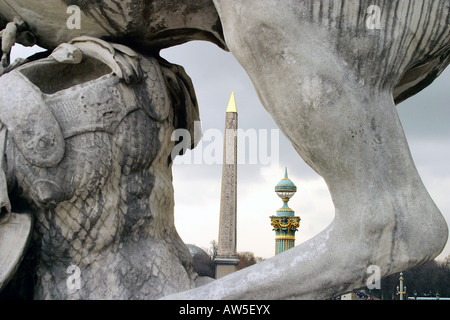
(225, 266)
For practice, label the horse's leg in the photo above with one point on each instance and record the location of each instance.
(330, 90)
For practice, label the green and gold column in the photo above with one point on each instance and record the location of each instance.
(284, 223)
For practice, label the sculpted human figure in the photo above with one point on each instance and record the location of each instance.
(329, 75)
(88, 146)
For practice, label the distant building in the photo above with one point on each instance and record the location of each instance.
(204, 266)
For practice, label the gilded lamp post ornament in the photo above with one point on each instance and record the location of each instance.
(284, 223)
(401, 290)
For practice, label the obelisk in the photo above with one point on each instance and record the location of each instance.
(227, 260)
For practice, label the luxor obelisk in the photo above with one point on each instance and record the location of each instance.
(227, 260)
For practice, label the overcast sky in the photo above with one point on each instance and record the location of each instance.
(215, 74)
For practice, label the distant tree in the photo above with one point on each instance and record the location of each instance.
(425, 281)
(212, 251)
(247, 259)
(204, 265)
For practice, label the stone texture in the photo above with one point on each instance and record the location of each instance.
(14, 237)
(228, 204)
(106, 205)
(226, 259)
(150, 24)
(66, 53)
(329, 81)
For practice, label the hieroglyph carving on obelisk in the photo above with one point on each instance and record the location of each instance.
(226, 260)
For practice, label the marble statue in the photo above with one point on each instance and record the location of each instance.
(87, 152)
(85, 134)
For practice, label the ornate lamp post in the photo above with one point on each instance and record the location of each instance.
(284, 223)
(402, 289)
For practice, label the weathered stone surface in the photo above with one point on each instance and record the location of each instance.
(106, 207)
(226, 259)
(329, 80)
(148, 25)
(15, 235)
(228, 203)
(67, 53)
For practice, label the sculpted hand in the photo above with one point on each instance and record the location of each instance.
(122, 61)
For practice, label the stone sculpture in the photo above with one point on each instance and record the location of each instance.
(88, 145)
(329, 75)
